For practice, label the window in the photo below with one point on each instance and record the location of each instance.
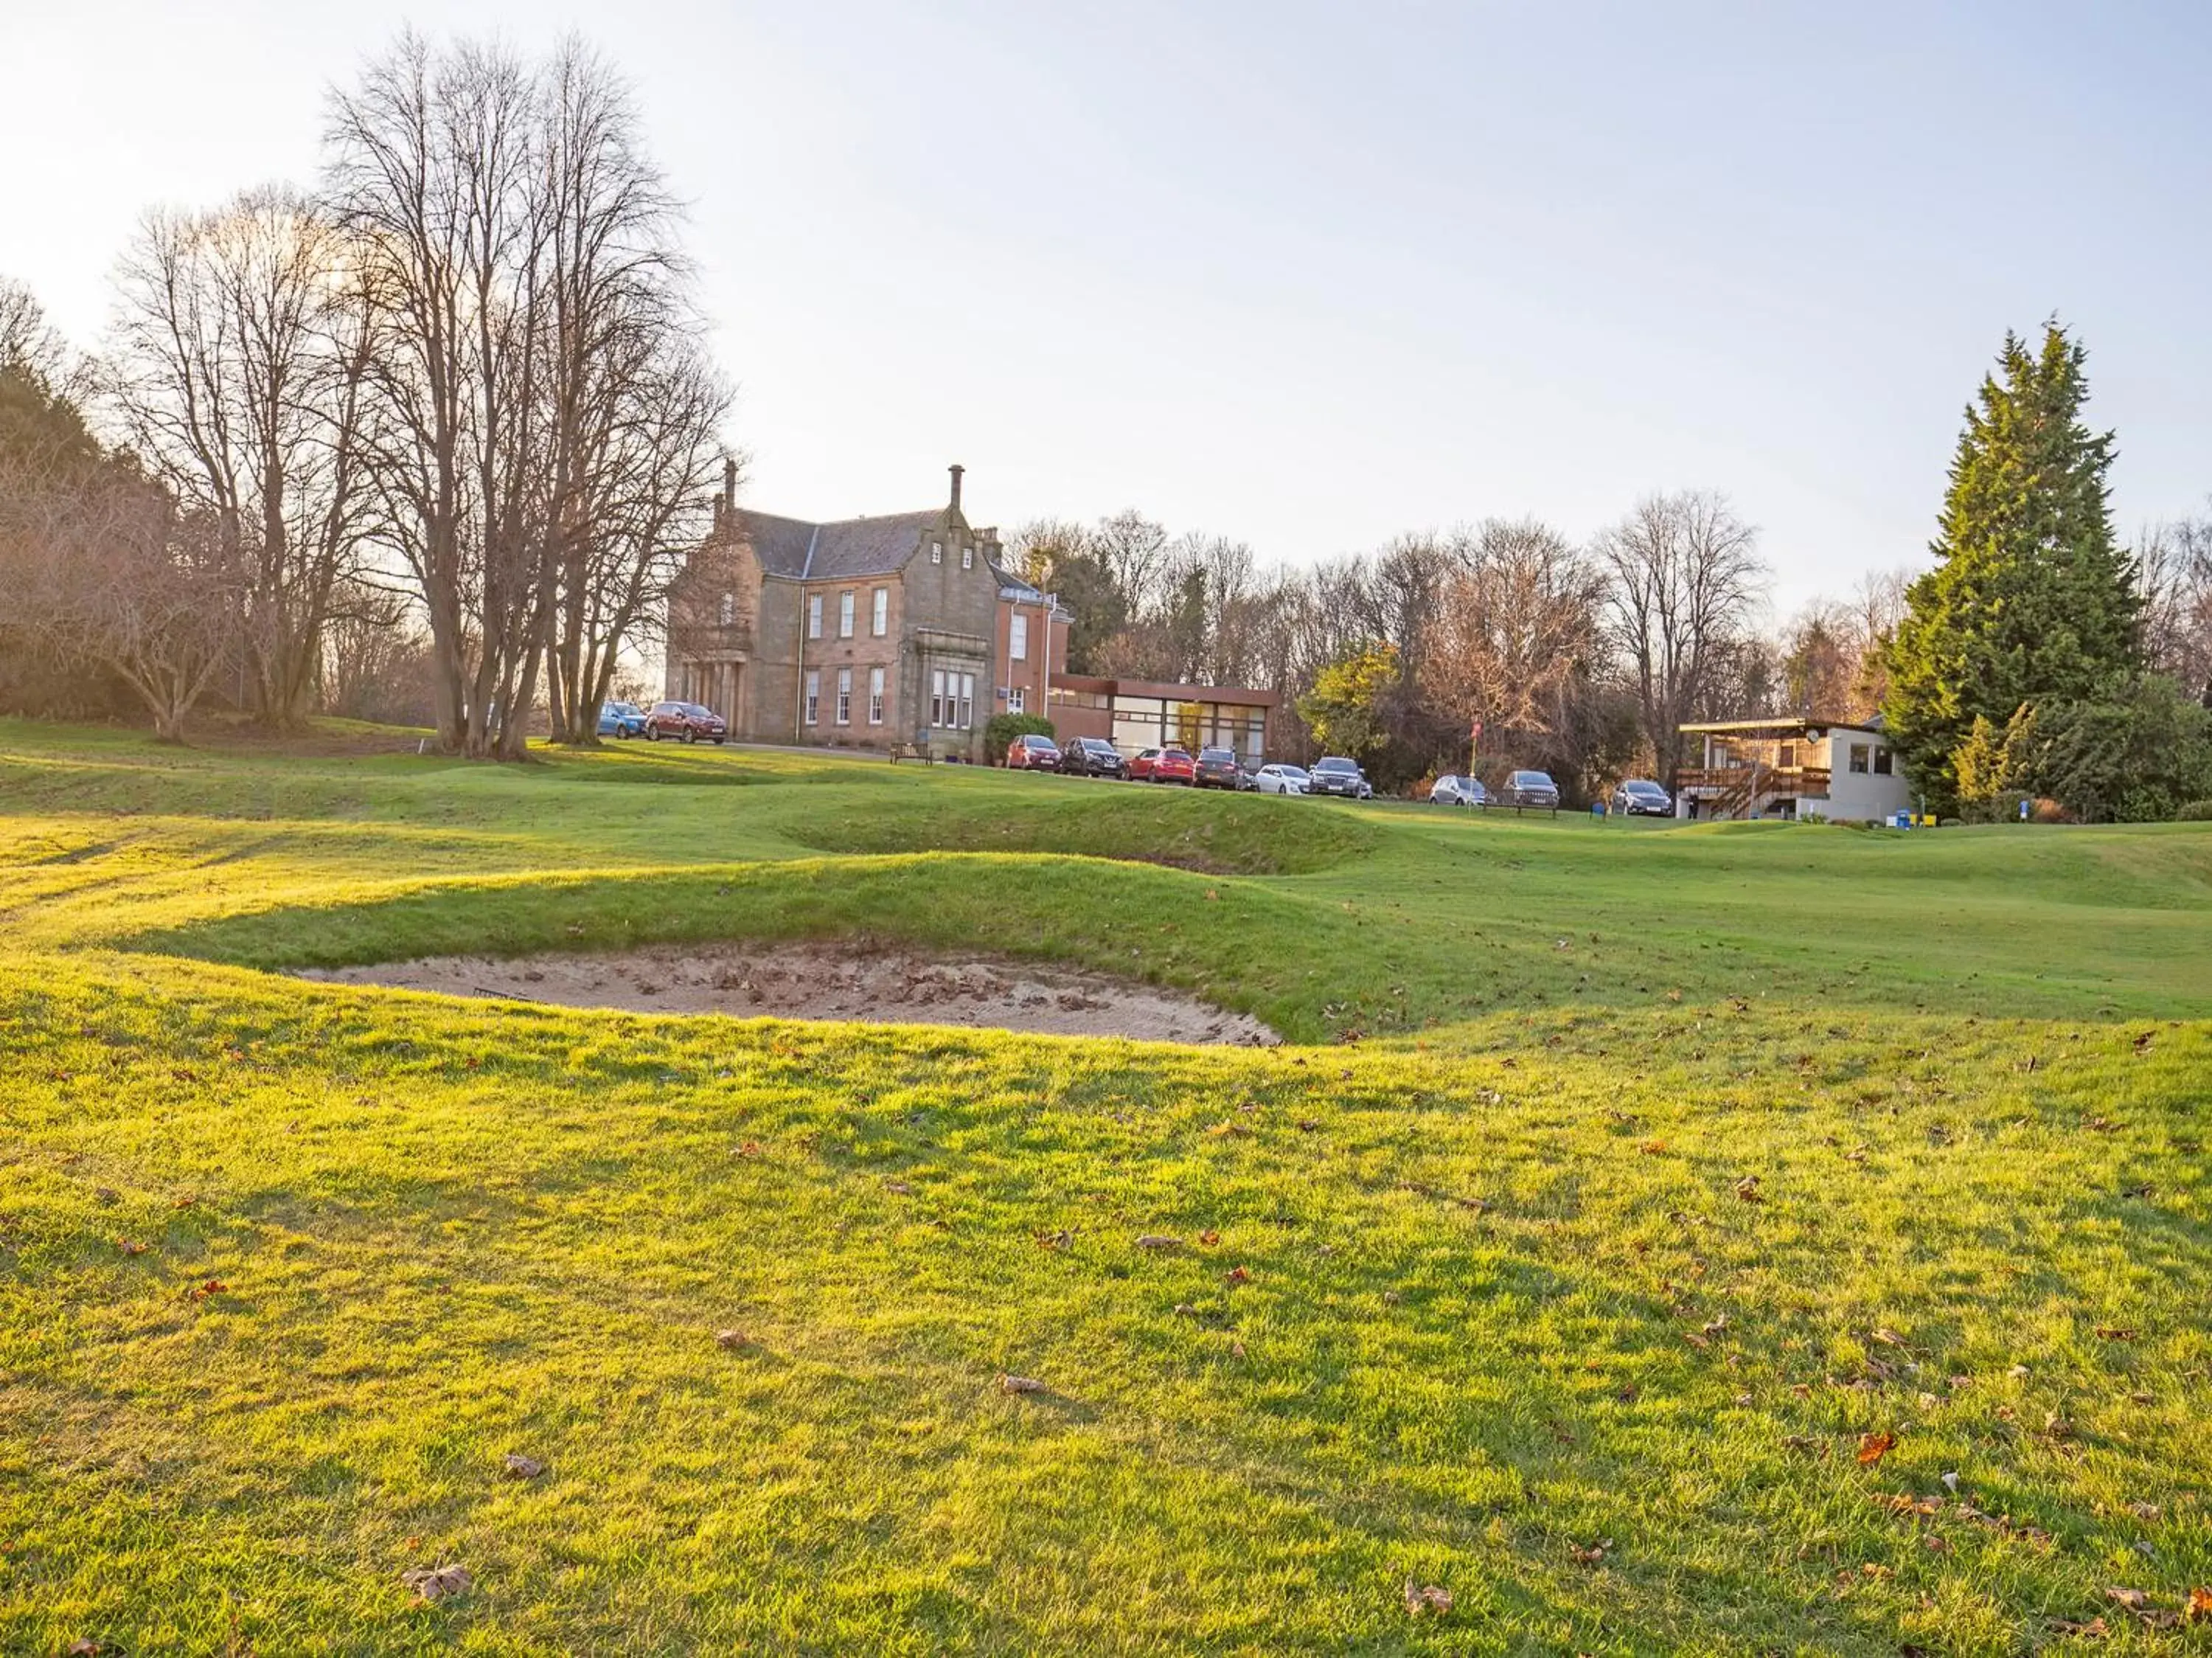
(814, 616)
(875, 696)
(813, 696)
(1016, 699)
(729, 608)
(936, 698)
(1018, 638)
(1881, 763)
(967, 557)
(879, 622)
(937, 552)
(844, 696)
(1786, 755)
(967, 701)
(1859, 751)
(845, 614)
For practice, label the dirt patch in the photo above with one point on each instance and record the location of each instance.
(870, 984)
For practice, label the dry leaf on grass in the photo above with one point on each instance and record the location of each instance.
(200, 1292)
(1426, 1598)
(1060, 1239)
(132, 1246)
(2200, 1605)
(1592, 1555)
(1874, 1447)
(1209, 1237)
(520, 1466)
(1748, 1189)
(1237, 1275)
(2095, 1630)
(2114, 1332)
(1011, 1383)
(1158, 1241)
(437, 1582)
(730, 1339)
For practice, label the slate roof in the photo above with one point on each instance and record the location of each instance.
(829, 552)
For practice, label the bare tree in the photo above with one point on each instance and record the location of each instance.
(2174, 570)
(542, 421)
(112, 575)
(632, 407)
(1518, 639)
(237, 365)
(29, 343)
(1686, 581)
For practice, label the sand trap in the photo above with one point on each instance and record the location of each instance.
(875, 985)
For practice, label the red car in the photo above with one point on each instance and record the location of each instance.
(1164, 765)
(1032, 754)
(686, 720)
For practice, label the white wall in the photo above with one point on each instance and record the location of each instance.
(1857, 796)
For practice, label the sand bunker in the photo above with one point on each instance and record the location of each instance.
(875, 985)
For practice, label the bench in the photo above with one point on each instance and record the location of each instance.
(913, 751)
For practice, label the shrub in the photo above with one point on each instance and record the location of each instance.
(999, 733)
(2195, 811)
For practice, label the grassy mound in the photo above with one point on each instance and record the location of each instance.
(1182, 829)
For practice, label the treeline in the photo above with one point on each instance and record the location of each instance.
(1582, 660)
(2038, 659)
(441, 422)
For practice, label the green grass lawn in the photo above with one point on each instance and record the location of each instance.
(1620, 1188)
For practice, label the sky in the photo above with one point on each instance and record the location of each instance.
(1309, 277)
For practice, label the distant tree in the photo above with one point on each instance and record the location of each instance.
(2033, 599)
(1345, 708)
(2134, 752)
(237, 365)
(1686, 579)
(28, 342)
(2173, 565)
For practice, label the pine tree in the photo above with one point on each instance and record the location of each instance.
(2033, 599)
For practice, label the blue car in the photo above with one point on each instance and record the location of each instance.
(621, 720)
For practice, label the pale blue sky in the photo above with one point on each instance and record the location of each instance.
(1308, 276)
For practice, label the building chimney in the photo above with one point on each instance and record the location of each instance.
(729, 484)
(957, 471)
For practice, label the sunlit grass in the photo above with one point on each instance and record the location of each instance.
(1672, 1164)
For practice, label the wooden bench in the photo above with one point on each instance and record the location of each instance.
(913, 751)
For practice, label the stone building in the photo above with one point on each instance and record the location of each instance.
(899, 629)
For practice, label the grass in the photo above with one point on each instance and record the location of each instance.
(1505, 1324)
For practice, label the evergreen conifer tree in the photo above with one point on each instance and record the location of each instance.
(2033, 599)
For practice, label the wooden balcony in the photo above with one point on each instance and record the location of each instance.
(1771, 780)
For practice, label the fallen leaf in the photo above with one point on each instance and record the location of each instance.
(2133, 1599)
(212, 1287)
(1209, 1236)
(1592, 1555)
(1237, 1275)
(437, 1582)
(1011, 1383)
(186, 1201)
(1653, 1147)
(899, 1188)
(2200, 1605)
(1060, 1239)
(1888, 1337)
(85, 1650)
(2145, 1511)
(1748, 1189)
(520, 1466)
(1874, 1447)
(730, 1338)
(2114, 1333)
(132, 1246)
(2095, 1630)
(1426, 1598)
(1158, 1241)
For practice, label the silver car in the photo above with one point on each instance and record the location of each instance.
(1450, 790)
(1277, 778)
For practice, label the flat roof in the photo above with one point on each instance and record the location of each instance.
(1238, 695)
(1719, 725)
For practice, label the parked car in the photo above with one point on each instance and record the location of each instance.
(688, 721)
(1277, 778)
(1162, 765)
(1450, 790)
(1333, 774)
(621, 720)
(1218, 768)
(1532, 788)
(1639, 797)
(1032, 753)
(1090, 757)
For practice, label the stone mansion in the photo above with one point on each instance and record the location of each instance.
(873, 631)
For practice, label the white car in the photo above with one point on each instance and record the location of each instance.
(1450, 790)
(1276, 778)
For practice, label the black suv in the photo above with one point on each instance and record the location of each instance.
(1334, 775)
(1090, 757)
(1218, 768)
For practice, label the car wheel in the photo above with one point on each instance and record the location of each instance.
(652, 734)
(689, 735)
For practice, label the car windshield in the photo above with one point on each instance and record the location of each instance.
(1645, 789)
(1174, 754)
(1334, 766)
(1531, 780)
(1217, 754)
(1298, 771)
